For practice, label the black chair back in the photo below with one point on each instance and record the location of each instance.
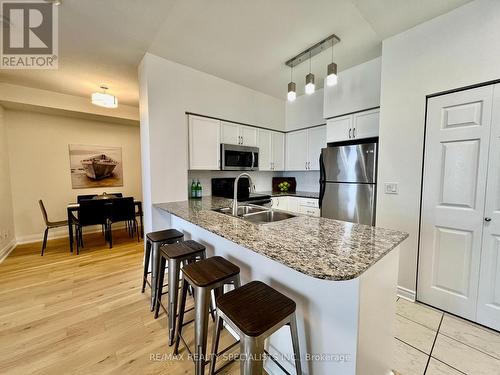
(93, 212)
(81, 198)
(122, 209)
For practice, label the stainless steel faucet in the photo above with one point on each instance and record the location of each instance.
(235, 196)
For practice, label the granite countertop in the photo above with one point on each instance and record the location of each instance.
(301, 194)
(319, 247)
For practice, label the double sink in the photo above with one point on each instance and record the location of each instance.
(256, 214)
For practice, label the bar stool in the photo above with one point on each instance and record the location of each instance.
(254, 311)
(203, 276)
(176, 254)
(153, 242)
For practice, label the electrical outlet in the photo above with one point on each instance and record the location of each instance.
(391, 188)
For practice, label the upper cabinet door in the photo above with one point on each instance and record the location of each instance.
(278, 149)
(265, 150)
(366, 124)
(230, 133)
(248, 136)
(316, 140)
(204, 143)
(339, 129)
(296, 151)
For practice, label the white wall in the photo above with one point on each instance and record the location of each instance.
(39, 164)
(167, 91)
(455, 50)
(7, 238)
(305, 111)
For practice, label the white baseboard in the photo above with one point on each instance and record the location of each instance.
(407, 294)
(4, 253)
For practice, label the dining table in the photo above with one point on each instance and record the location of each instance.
(73, 207)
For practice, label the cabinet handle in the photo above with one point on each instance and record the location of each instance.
(487, 219)
(350, 133)
(354, 133)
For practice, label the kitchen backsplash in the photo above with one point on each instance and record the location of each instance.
(306, 181)
(262, 180)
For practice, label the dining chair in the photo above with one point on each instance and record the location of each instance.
(49, 224)
(90, 212)
(122, 209)
(80, 198)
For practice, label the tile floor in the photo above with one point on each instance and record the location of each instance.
(431, 342)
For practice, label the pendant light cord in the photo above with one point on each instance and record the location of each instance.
(309, 61)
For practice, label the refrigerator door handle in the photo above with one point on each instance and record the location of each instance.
(321, 179)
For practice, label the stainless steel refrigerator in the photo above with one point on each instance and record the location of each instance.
(348, 182)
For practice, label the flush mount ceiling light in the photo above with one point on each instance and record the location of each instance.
(55, 2)
(103, 99)
(292, 90)
(319, 47)
(310, 87)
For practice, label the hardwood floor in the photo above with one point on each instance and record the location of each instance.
(68, 314)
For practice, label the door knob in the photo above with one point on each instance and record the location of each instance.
(487, 219)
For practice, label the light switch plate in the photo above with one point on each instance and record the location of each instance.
(391, 188)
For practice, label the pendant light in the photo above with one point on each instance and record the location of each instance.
(331, 77)
(310, 79)
(103, 99)
(292, 91)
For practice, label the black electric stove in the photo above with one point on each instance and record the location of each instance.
(224, 187)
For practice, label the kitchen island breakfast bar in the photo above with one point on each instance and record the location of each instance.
(341, 275)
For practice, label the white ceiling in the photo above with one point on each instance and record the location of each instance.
(247, 42)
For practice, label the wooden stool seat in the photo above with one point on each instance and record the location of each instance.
(268, 307)
(164, 235)
(180, 250)
(254, 311)
(210, 271)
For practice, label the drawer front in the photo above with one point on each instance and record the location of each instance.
(309, 202)
(311, 211)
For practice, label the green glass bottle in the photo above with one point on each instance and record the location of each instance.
(199, 190)
(193, 189)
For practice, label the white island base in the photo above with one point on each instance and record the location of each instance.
(345, 327)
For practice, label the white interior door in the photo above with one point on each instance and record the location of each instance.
(455, 167)
(488, 307)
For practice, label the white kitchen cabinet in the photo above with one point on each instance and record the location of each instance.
(236, 134)
(357, 126)
(280, 203)
(204, 141)
(248, 136)
(303, 148)
(230, 133)
(306, 206)
(278, 151)
(265, 153)
(296, 151)
(316, 140)
(366, 124)
(271, 150)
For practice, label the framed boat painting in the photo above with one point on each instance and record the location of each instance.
(95, 166)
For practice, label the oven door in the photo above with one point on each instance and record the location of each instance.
(239, 158)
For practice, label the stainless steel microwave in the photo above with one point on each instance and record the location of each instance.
(239, 158)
